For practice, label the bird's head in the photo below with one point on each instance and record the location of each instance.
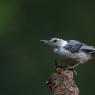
(54, 42)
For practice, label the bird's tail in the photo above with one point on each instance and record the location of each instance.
(90, 50)
(92, 53)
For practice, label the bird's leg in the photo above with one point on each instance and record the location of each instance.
(72, 67)
(60, 65)
(67, 67)
(56, 64)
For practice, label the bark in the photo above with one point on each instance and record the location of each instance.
(61, 82)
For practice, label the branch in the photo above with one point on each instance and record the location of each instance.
(61, 82)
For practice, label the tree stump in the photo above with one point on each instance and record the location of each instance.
(61, 82)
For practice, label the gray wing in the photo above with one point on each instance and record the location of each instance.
(73, 46)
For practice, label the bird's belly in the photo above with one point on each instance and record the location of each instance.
(69, 57)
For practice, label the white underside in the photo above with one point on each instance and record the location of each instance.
(67, 56)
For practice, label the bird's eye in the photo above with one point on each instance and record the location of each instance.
(54, 41)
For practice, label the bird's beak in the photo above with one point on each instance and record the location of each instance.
(45, 41)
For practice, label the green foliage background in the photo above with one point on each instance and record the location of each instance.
(25, 62)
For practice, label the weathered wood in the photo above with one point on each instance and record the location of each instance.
(61, 82)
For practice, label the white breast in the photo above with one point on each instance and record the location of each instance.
(65, 54)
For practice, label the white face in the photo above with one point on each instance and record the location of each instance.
(57, 42)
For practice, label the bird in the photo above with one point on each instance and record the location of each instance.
(71, 52)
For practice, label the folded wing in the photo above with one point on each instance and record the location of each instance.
(73, 46)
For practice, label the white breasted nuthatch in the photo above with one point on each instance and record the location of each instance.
(71, 52)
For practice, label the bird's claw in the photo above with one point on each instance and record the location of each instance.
(66, 67)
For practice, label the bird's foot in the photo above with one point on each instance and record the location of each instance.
(57, 64)
(67, 67)
(71, 67)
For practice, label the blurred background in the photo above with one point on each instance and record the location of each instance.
(25, 62)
